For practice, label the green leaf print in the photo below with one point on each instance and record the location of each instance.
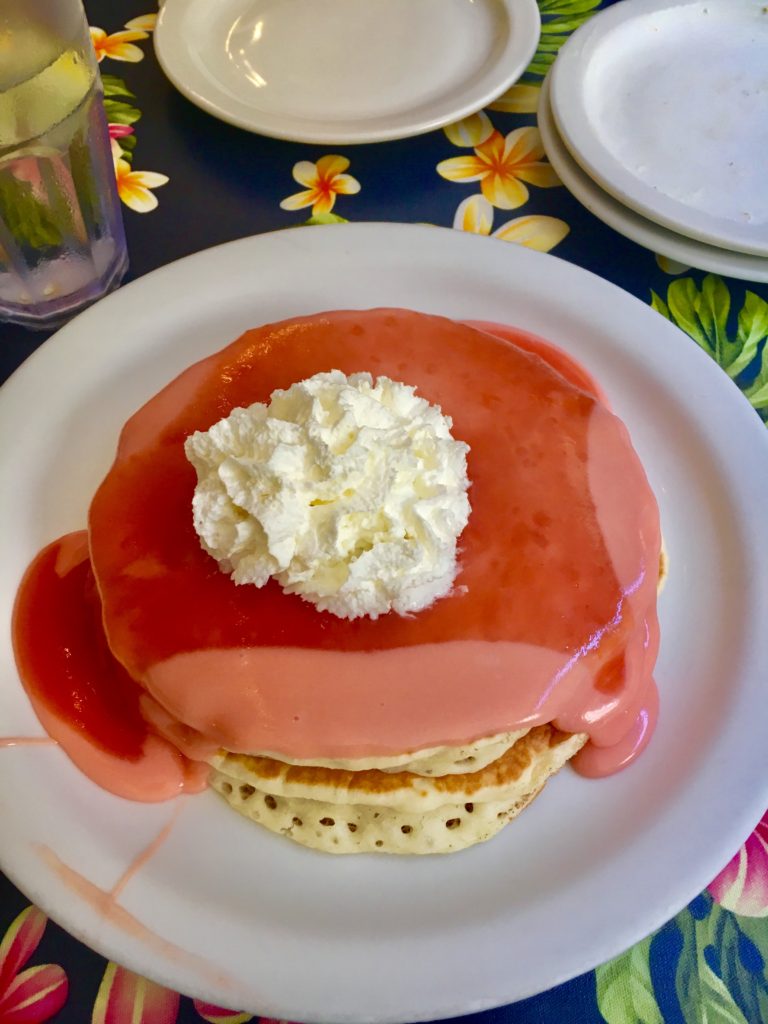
(660, 305)
(114, 86)
(558, 19)
(743, 963)
(753, 327)
(120, 113)
(704, 314)
(703, 995)
(757, 392)
(127, 143)
(625, 990)
(682, 299)
(718, 1005)
(326, 218)
(564, 8)
(712, 308)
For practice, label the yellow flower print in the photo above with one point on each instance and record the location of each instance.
(670, 266)
(144, 23)
(133, 187)
(322, 181)
(118, 46)
(535, 232)
(501, 165)
(519, 99)
(475, 214)
(470, 131)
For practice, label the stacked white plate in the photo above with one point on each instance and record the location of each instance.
(655, 115)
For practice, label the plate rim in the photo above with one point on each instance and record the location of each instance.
(583, 142)
(632, 224)
(514, 59)
(751, 806)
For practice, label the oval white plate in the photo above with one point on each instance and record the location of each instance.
(258, 923)
(664, 104)
(341, 71)
(632, 225)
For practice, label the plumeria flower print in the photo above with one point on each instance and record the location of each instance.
(670, 266)
(144, 23)
(134, 187)
(470, 131)
(742, 886)
(322, 182)
(519, 99)
(475, 215)
(502, 164)
(33, 995)
(118, 46)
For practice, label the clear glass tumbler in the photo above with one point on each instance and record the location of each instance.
(62, 243)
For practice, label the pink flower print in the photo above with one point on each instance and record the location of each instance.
(127, 998)
(36, 994)
(742, 886)
(119, 131)
(218, 1015)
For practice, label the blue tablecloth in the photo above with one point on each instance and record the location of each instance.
(188, 182)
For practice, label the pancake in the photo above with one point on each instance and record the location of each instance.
(436, 761)
(370, 811)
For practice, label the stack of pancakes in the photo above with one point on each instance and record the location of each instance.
(432, 801)
(556, 574)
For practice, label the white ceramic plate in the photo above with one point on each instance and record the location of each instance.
(341, 71)
(591, 866)
(664, 103)
(647, 233)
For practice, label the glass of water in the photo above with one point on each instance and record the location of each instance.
(62, 244)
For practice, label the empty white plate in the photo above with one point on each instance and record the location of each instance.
(341, 71)
(632, 225)
(665, 104)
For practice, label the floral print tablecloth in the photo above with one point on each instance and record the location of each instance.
(188, 182)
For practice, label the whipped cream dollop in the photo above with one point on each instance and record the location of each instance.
(348, 491)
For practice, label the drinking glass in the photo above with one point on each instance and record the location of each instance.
(62, 243)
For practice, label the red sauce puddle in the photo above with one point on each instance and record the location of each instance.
(82, 695)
